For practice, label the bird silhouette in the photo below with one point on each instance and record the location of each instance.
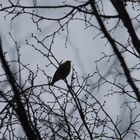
(62, 72)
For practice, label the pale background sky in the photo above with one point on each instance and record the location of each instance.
(82, 49)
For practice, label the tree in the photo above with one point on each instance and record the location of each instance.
(82, 106)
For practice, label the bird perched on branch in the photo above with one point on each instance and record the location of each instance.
(62, 72)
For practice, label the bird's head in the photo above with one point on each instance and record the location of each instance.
(68, 62)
